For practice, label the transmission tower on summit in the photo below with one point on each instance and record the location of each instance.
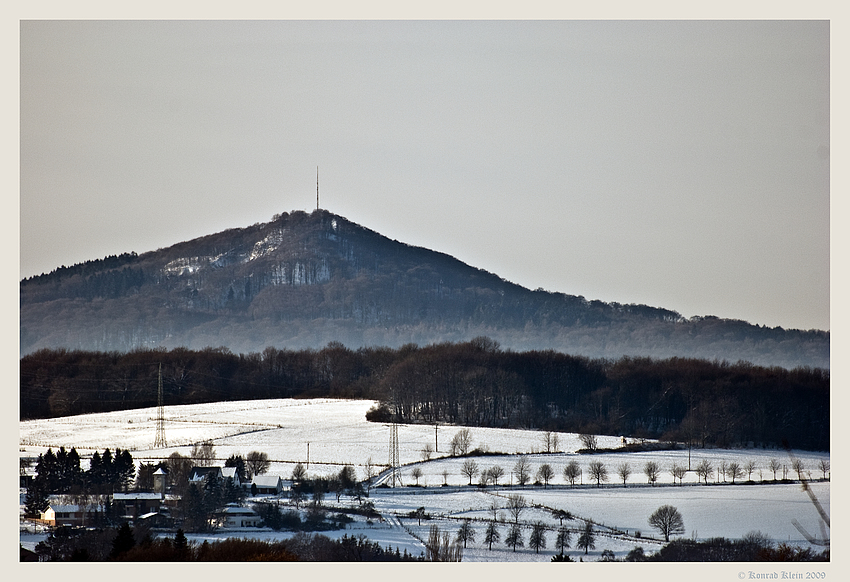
(159, 441)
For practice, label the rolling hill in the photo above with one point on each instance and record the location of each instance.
(303, 280)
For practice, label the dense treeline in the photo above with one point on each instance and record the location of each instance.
(471, 383)
(136, 544)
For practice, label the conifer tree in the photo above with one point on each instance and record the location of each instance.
(491, 535)
(124, 541)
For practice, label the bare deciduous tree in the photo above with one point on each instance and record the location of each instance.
(545, 473)
(470, 469)
(589, 441)
(522, 470)
(257, 463)
(440, 548)
(734, 471)
(416, 473)
(774, 465)
(550, 441)
(427, 451)
(799, 468)
(203, 454)
(823, 464)
(624, 470)
(749, 468)
(516, 505)
(668, 521)
(652, 471)
(495, 473)
(572, 472)
(460, 443)
(704, 470)
(678, 472)
(298, 473)
(598, 472)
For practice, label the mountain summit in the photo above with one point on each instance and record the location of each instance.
(304, 280)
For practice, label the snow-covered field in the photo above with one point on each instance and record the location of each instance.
(335, 432)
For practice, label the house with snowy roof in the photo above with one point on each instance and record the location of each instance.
(231, 473)
(236, 516)
(67, 514)
(199, 474)
(133, 505)
(267, 484)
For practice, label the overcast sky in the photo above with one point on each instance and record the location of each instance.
(678, 164)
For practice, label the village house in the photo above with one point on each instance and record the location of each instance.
(67, 514)
(230, 473)
(133, 505)
(267, 484)
(235, 516)
(199, 474)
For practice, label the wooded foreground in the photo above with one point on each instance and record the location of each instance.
(472, 383)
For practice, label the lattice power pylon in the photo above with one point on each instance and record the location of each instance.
(159, 441)
(395, 472)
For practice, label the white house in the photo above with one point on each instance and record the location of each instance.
(235, 516)
(66, 514)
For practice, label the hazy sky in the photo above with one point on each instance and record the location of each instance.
(678, 164)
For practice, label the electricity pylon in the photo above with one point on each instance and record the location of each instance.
(395, 472)
(159, 441)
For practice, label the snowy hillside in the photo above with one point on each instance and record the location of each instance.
(336, 433)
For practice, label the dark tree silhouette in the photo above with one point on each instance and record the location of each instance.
(668, 521)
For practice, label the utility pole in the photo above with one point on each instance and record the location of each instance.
(308, 455)
(317, 187)
(436, 448)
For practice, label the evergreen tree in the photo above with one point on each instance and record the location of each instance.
(537, 539)
(123, 542)
(145, 478)
(466, 533)
(491, 535)
(107, 470)
(238, 462)
(587, 539)
(124, 470)
(181, 545)
(73, 471)
(94, 475)
(563, 540)
(47, 471)
(36, 500)
(514, 537)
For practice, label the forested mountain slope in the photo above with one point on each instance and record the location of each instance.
(304, 280)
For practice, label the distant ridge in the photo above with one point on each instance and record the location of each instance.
(304, 280)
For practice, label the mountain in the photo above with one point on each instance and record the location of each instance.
(304, 280)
